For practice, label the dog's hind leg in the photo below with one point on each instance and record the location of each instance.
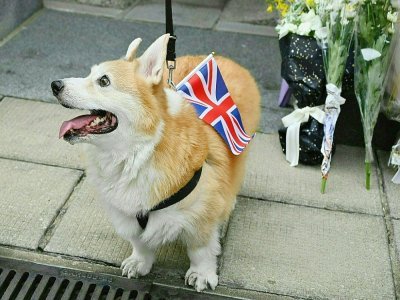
(203, 264)
(140, 261)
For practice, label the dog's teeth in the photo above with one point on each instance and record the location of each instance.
(96, 121)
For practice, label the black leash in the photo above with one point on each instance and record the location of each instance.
(175, 198)
(169, 28)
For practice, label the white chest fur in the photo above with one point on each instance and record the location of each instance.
(124, 183)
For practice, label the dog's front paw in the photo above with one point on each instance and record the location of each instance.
(200, 280)
(135, 266)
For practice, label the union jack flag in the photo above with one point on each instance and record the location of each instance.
(205, 89)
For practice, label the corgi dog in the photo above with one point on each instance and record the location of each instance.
(146, 144)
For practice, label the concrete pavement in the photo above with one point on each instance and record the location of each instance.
(284, 241)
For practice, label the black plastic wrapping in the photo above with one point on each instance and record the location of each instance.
(302, 67)
(310, 141)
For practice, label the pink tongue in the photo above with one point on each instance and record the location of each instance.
(76, 123)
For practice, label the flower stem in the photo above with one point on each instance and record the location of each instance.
(323, 185)
(368, 175)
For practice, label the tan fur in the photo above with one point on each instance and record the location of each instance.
(191, 142)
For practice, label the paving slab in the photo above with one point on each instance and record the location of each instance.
(396, 228)
(31, 196)
(154, 11)
(248, 11)
(269, 98)
(392, 190)
(271, 119)
(306, 252)
(29, 132)
(246, 28)
(97, 239)
(36, 56)
(247, 16)
(270, 177)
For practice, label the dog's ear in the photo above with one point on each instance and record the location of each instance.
(152, 61)
(131, 53)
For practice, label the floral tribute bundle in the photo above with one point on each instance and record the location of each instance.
(303, 128)
(373, 42)
(335, 37)
(332, 24)
(391, 103)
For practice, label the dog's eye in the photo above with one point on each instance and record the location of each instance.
(104, 81)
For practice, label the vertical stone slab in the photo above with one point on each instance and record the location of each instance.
(14, 12)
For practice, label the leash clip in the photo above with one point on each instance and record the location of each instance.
(171, 65)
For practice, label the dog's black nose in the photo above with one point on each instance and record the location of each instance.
(57, 86)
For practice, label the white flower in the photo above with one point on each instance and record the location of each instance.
(335, 5)
(285, 29)
(316, 23)
(350, 11)
(370, 54)
(392, 17)
(344, 21)
(304, 28)
(309, 22)
(321, 33)
(307, 17)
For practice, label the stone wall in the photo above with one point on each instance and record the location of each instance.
(105, 3)
(126, 3)
(14, 12)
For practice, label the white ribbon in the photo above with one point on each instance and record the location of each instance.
(395, 161)
(396, 177)
(333, 99)
(293, 122)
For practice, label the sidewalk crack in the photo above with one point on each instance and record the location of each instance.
(50, 230)
(393, 253)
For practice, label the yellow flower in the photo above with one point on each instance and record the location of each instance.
(270, 8)
(310, 3)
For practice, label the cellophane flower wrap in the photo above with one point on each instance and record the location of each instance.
(373, 48)
(391, 100)
(335, 37)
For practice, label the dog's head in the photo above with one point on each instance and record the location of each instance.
(120, 95)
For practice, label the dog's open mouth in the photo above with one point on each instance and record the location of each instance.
(97, 122)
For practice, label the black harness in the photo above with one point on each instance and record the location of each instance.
(175, 198)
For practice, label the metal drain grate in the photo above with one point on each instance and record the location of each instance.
(23, 280)
(46, 282)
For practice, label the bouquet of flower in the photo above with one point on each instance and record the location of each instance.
(302, 70)
(374, 36)
(335, 38)
(391, 101)
(296, 17)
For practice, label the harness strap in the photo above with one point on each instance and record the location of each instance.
(169, 28)
(175, 198)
